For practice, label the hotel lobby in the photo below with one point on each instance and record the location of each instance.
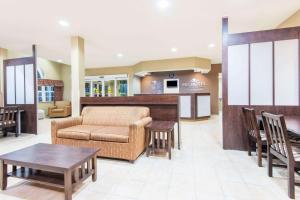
(159, 99)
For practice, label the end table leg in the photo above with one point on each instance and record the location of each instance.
(68, 185)
(148, 138)
(3, 174)
(169, 143)
(179, 136)
(94, 167)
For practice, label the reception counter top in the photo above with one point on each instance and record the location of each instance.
(192, 105)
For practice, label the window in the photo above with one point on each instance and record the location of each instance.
(46, 93)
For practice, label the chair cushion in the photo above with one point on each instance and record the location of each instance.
(79, 132)
(296, 153)
(57, 110)
(111, 134)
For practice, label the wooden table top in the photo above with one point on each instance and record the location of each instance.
(292, 123)
(50, 157)
(161, 125)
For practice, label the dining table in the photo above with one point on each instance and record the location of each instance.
(292, 123)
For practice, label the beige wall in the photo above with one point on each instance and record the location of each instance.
(176, 64)
(292, 21)
(173, 64)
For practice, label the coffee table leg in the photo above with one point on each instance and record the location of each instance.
(3, 173)
(94, 167)
(68, 185)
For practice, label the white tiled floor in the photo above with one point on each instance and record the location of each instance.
(201, 170)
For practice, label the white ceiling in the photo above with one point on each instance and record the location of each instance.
(136, 28)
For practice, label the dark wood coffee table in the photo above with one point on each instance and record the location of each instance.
(55, 165)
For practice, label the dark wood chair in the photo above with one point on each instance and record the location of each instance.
(8, 118)
(279, 146)
(254, 134)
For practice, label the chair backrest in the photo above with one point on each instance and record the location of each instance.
(62, 104)
(250, 123)
(277, 136)
(9, 114)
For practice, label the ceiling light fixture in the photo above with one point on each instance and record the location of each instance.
(59, 60)
(64, 23)
(211, 45)
(120, 55)
(163, 4)
(174, 49)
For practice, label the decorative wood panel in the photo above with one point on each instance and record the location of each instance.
(27, 85)
(234, 136)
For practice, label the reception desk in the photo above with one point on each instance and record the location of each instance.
(192, 105)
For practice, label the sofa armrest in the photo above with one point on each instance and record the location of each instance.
(137, 134)
(60, 124)
(67, 110)
(50, 109)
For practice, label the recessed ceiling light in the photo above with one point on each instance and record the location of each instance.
(211, 45)
(163, 4)
(64, 23)
(120, 55)
(59, 60)
(174, 49)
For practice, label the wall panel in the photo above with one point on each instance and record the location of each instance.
(238, 75)
(261, 73)
(286, 58)
(10, 85)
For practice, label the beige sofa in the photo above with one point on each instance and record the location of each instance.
(60, 109)
(119, 131)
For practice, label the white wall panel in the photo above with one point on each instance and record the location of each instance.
(20, 92)
(203, 106)
(238, 75)
(10, 85)
(185, 106)
(29, 83)
(261, 74)
(286, 72)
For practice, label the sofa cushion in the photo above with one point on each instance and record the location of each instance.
(113, 115)
(79, 132)
(111, 134)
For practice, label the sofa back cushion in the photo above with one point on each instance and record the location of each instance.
(62, 104)
(113, 115)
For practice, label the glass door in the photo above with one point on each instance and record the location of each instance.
(109, 88)
(97, 88)
(122, 88)
(88, 89)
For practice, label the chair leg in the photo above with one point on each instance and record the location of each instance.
(249, 147)
(4, 132)
(259, 155)
(270, 163)
(291, 181)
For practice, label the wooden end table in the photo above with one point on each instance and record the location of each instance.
(161, 133)
(54, 165)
